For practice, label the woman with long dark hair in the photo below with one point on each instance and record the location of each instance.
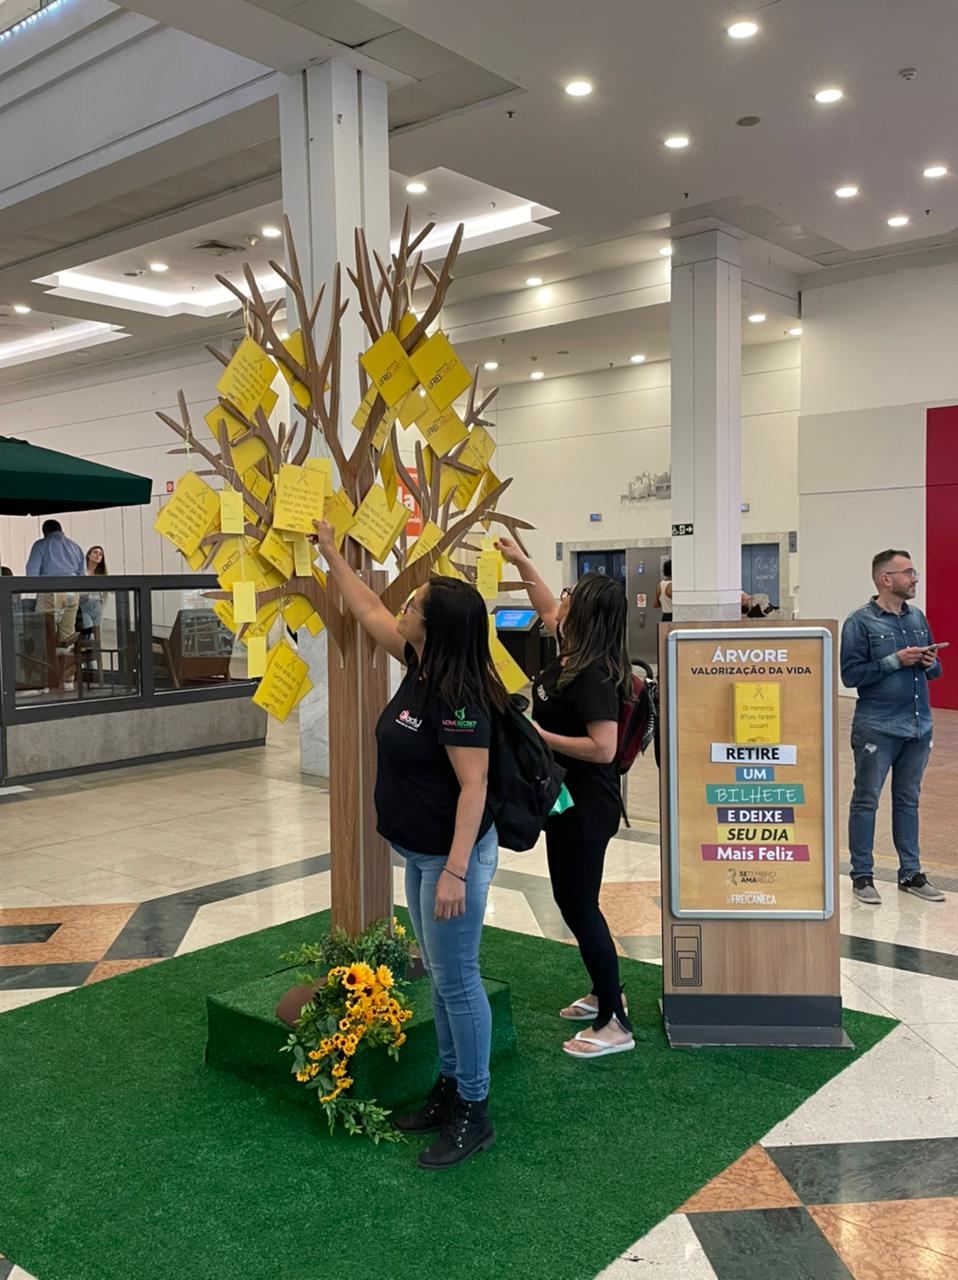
(90, 613)
(576, 702)
(432, 747)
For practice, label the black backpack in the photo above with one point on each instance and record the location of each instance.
(524, 779)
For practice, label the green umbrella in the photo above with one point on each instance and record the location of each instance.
(40, 482)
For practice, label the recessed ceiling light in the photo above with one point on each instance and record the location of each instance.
(899, 220)
(666, 252)
(637, 359)
(934, 171)
(537, 375)
(677, 142)
(846, 193)
(271, 233)
(491, 365)
(742, 30)
(578, 88)
(757, 317)
(829, 95)
(796, 332)
(416, 188)
(159, 267)
(534, 281)
(21, 310)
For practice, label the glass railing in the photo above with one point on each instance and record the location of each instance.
(18, 14)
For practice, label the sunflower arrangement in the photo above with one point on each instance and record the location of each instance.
(358, 1005)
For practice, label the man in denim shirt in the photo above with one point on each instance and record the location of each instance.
(888, 655)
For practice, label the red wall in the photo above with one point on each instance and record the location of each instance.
(941, 545)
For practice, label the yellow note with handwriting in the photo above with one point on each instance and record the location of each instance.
(188, 515)
(300, 498)
(277, 551)
(224, 611)
(487, 570)
(447, 569)
(430, 537)
(340, 514)
(388, 366)
(449, 476)
(231, 512)
(439, 369)
(510, 673)
(302, 557)
(378, 523)
(325, 465)
(244, 602)
(284, 682)
(255, 657)
(247, 377)
(478, 450)
(247, 453)
(296, 347)
(261, 625)
(221, 416)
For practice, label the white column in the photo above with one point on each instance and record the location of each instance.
(706, 427)
(335, 161)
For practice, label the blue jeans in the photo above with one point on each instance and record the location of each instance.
(876, 753)
(450, 954)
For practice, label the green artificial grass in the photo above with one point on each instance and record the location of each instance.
(124, 1157)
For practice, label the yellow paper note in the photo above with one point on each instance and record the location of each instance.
(325, 465)
(412, 407)
(190, 512)
(268, 402)
(407, 323)
(299, 612)
(510, 673)
(197, 559)
(447, 569)
(443, 429)
(302, 557)
(758, 712)
(339, 512)
(231, 512)
(247, 377)
(450, 477)
(314, 624)
(300, 498)
(284, 683)
(440, 370)
(224, 611)
(387, 473)
(478, 450)
(218, 416)
(247, 453)
(236, 561)
(244, 602)
(258, 484)
(256, 657)
(278, 552)
(296, 347)
(430, 537)
(361, 416)
(487, 569)
(378, 524)
(388, 366)
(262, 625)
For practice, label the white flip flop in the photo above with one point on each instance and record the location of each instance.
(604, 1048)
(588, 1013)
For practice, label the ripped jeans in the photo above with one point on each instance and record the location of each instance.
(876, 753)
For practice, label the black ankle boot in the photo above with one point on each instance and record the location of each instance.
(467, 1130)
(436, 1111)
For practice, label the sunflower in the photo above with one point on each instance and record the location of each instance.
(384, 976)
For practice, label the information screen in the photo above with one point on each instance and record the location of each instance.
(515, 619)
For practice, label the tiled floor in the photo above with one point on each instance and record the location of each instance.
(112, 871)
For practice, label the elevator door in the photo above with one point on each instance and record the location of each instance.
(643, 575)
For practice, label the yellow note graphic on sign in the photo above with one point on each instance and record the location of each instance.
(255, 657)
(339, 513)
(188, 515)
(487, 580)
(510, 673)
(388, 366)
(300, 498)
(378, 524)
(478, 450)
(443, 429)
(430, 537)
(296, 347)
(387, 473)
(285, 682)
(440, 370)
(247, 377)
(758, 713)
(231, 512)
(244, 602)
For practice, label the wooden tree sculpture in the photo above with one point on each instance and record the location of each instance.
(252, 532)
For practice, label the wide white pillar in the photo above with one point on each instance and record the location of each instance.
(706, 427)
(335, 162)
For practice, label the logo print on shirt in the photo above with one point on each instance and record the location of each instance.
(460, 724)
(409, 721)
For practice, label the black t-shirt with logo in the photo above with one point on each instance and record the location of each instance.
(589, 697)
(417, 790)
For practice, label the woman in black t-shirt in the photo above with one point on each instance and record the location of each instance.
(432, 753)
(576, 702)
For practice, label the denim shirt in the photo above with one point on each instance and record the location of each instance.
(892, 699)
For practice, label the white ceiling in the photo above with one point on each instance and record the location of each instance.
(604, 194)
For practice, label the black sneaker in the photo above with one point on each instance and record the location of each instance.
(921, 887)
(435, 1112)
(863, 887)
(467, 1131)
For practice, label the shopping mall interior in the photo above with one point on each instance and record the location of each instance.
(697, 266)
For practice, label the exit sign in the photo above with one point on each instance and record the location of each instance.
(682, 530)
(596, 517)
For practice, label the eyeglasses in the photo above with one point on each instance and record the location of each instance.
(565, 593)
(409, 607)
(905, 573)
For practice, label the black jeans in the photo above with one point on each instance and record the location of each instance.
(575, 868)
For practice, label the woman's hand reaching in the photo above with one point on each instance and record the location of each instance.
(324, 538)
